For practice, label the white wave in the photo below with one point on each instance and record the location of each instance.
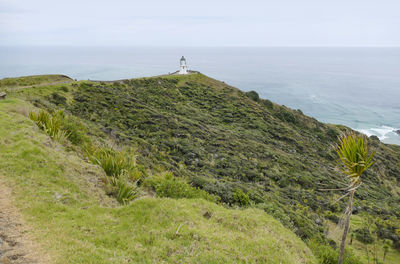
(381, 132)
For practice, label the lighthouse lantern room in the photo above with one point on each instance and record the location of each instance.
(183, 66)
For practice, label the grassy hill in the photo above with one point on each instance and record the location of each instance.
(247, 151)
(62, 199)
(30, 81)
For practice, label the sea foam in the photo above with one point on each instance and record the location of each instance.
(382, 132)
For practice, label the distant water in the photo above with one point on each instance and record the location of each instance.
(356, 87)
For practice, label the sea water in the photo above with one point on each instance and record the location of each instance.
(356, 87)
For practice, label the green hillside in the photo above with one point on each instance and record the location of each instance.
(246, 151)
(61, 197)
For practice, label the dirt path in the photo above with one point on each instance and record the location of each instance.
(15, 244)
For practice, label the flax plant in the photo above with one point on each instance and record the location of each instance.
(51, 124)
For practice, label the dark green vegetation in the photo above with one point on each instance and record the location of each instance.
(243, 150)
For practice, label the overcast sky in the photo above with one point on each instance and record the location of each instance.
(200, 23)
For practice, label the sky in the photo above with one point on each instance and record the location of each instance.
(200, 23)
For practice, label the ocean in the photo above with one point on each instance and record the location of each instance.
(356, 87)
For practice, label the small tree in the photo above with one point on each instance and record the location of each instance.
(355, 157)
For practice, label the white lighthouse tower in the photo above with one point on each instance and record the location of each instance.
(183, 66)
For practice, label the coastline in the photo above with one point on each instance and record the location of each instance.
(386, 134)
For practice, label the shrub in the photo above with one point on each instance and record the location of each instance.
(364, 235)
(253, 95)
(166, 185)
(241, 198)
(305, 226)
(374, 138)
(267, 103)
(58, 99)
(278, 213)
(64, 88)
(286, 116)
(76, 130)
(222, 190)
(332, 133)
(331, 216)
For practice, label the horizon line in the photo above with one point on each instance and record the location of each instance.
(216, 46)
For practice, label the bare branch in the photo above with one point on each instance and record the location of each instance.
(341, 197)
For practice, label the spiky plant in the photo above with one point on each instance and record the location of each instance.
(355, 157)
(51, 124)
(125, 191)
(113, 162)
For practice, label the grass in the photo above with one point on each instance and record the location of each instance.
(359, 248)
(11, 83)
(60, 196)
(119, 165)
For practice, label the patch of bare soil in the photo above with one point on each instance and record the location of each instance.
(15, 244)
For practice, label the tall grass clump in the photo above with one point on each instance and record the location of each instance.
(122, 172)
(114, 163)
(60, 126)
(122, 189)
(51, 124)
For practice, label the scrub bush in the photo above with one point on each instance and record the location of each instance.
(166, 185)
(253, 95)
(364, 235)
(241, 198)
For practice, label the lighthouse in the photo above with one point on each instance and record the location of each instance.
(183, 66)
